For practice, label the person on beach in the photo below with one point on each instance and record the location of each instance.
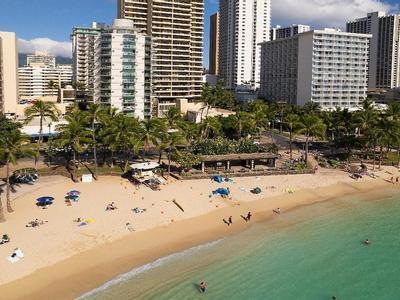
(397, 180)
(230, 220)
(202, 287)
(391, 180)
(111, 206)
(248, 217)
(277, 211)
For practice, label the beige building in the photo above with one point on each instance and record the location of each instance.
(214, 45)
(177, 28)
(8, 73)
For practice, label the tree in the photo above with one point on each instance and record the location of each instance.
(93, 114)
(125, 131)
(149, 133)
(12, 145)
(173, 141)
(74, 135)
(52, 85)
(42, 110)
(292, 122)
(173, 118)
(311, 126)
(312, 108)
(210, 126)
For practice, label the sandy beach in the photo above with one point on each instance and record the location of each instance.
(63, 260)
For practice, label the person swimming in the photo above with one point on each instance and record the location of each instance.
(367, 242)
(202, 287)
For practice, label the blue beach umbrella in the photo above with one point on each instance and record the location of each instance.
(44, 201)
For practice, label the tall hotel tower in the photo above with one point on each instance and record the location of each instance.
(384, 63)
(243, 25)
(176, 27)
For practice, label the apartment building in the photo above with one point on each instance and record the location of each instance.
(83, 39)
(243, 25)
(41, 59)
(328, 67)
(122, 69)
(176, 27)
(8, 73)
(384, 66)
(279, 32)
(41, 78)
(214, 45)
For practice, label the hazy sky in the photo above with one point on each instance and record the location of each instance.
(46, 24)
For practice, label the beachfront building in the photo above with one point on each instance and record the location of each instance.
(8, 73)
(83, 39)
(243, 25)
(279, 32)
(177, 31)
(214, 45)
(328, 67)
(122, 74)
(384, 64)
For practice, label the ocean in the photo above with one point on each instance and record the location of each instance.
(312, 252)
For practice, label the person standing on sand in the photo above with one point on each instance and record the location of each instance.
(248, 217)
(391, 180)
(397, 180)
(230, 220)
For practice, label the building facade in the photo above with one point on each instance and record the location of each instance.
(176, 27)
(41, 78)
(83, 39)
(8, 73)
(214, 45)
(384, 66)
(122, 74)
(328, 67)
(279, 32)
(41, 59)
(243, 25)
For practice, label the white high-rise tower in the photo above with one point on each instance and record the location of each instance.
(244, 24)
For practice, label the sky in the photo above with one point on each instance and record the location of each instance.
(46, 24)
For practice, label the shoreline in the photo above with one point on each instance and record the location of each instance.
(90, 269)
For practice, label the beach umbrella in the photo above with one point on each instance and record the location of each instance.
(43, 201)
(74, 192)
(217, 178)
(221, 191)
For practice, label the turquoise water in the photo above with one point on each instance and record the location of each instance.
(312, 252)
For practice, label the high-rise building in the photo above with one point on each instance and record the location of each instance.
(83, 57)
(8, 73)
(243, 25)
(176, 27)
(41, 59)
(328, 67)
(279, 32)
(122, 75)
(214, 45)
(384, 66)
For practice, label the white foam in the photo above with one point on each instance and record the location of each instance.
(155, 264)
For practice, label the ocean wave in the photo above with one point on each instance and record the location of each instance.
(147, 267)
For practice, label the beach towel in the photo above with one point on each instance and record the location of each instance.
(13, 259)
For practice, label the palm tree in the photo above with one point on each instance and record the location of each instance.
(12, 145)
(95, 110)
(74, 135)
(244, 123)
(173, 118)
(52, 85)
(125, 131)
(293, 122)
(173, 141)
(149, 133)
(311, 126)
(41, 109)
(210, 125)
(312, 108)
(106, 119)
